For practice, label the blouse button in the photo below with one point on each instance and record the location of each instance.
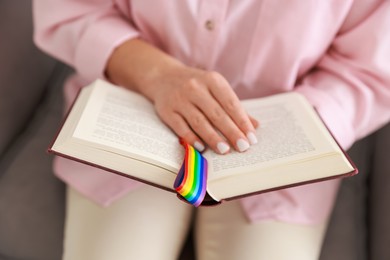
(209, 25)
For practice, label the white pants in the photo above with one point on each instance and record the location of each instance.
(152, 224)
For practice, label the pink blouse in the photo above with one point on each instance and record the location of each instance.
(336, 53)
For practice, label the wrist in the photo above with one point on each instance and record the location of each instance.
(139, 66)
(158, 74)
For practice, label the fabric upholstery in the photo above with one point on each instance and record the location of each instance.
(23, 69)
(31, 197)
(378, 198)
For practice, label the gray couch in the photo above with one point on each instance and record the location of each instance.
(32, 199)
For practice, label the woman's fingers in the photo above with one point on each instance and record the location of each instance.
(202, 108)
(197, 123)
(224, 94)
(220, 120)
(254, 122)
(177, 123)
(206, 131)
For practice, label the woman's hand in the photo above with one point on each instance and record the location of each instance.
(199, 106)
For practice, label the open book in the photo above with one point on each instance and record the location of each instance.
(118, 130)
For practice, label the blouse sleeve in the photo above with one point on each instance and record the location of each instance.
(81, 33)
(350, 86)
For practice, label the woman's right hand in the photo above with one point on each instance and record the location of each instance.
(199, 106)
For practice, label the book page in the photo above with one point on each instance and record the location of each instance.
(285, 135)
(126, 123)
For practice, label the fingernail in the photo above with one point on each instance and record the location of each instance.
(252, 138)
(198, 146)
(223, 147)
(242, 145)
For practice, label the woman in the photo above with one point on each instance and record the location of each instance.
(194, 60)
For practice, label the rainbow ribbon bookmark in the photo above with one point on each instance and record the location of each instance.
(191, 180)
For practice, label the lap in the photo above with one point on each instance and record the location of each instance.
(223, 232)
(149, 223)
